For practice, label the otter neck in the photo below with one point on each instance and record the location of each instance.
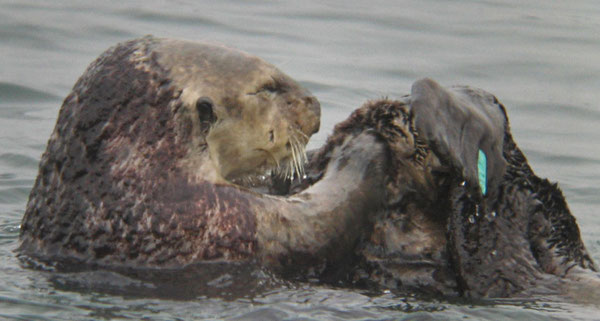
(202, 167)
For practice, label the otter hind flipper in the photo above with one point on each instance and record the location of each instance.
(522, 240)
(458, 124)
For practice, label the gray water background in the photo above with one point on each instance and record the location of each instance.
(541, 58)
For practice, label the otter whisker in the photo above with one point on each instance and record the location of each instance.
(294, 166)
(302, 144)
(295, 161)
(303, 135)
(297, 131)
(290, 168)
(299, 156)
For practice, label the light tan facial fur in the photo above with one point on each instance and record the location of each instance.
(263, 118)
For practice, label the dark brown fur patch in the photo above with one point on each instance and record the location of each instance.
(109, 188)
(391, 122)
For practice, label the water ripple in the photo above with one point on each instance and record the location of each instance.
(16, 195)
(10, 92)
(542, 54)
(18, 161)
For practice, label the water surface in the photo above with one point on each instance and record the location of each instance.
(541, 58)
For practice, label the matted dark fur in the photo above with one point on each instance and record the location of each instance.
(135, 172)
(404, 246)
(411, 217)
(128, 221)
(392, 124)
(505, 246)
(520, 239)
(438, 235)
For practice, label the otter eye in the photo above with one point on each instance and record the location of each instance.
(204, 106)
(271, 87)
(271, 136)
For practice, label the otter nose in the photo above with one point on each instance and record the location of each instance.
(312, 103)
(310, 123)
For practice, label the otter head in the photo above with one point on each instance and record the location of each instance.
(248, 115)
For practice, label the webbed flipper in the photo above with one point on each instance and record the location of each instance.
(458, 124)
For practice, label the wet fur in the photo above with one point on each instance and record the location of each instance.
(437, 234)
(520, 243)
(128, 178)
(115, 188)
(519, 239)
(404, 245)
(89, 201)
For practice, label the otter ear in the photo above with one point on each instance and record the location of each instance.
(206, 114)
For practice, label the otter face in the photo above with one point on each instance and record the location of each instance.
(264, 127)
(253, 116)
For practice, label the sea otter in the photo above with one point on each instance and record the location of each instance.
(149, 162)
(463, 214)
(139, 169)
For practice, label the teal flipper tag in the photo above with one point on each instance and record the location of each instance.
(482, 171)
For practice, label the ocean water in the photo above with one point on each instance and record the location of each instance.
(541, 59)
